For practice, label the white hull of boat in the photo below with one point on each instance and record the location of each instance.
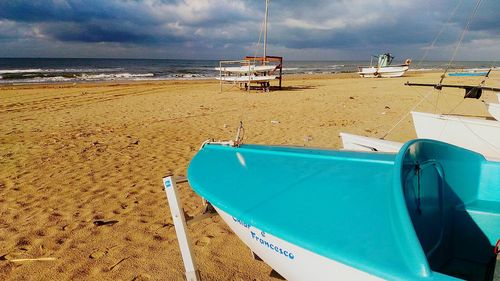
(482, 136)
(246, 69)
(245, 79)
(386, 72)
(290, 261)
(498, 96)
(361, 143)
(494, 110)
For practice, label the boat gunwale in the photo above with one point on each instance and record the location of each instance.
(308, 154)
(458, 118)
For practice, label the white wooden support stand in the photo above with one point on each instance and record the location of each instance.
(174, 201)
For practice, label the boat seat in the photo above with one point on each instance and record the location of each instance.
(482, 219)
(486, 214)
(482, 206)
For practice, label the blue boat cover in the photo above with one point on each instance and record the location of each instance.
(339, 204)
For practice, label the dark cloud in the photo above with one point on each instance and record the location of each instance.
(216, 27)
(73, 11)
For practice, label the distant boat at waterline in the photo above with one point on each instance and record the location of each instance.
(467, 74)
(384, 68)
(472, 72)
(384, 72)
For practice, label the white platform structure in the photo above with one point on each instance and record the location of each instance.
(245, 69)
(260, 70)
(244, 73)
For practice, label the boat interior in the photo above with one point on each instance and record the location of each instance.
(453, 200)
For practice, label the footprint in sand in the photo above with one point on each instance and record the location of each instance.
(142, 277)
(203, 241)
(98, 254)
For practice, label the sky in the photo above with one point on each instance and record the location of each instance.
(229, 29)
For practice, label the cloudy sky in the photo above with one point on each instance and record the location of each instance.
(214, 29)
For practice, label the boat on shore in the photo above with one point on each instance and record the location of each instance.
(348, 215)
(362, 143)
(384, 68)
(479, 135)
(494, 110)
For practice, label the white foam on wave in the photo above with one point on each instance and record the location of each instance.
(4, 71)
(113, 76)
(58, 70)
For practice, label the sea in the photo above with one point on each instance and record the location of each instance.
(56, 70)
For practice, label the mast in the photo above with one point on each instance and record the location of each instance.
(265, 33)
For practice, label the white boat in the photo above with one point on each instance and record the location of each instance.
(479, 135)
(246, 68)
(246, 78)
(494, 110)
(482, 136)
(384, 72)
(362, 143)
(383, 68)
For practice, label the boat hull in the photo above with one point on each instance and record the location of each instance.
(385, 72)
(290, 261)
(482, 136)
(494, 110)
(361, 143)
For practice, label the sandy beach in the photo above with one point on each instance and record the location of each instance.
(81, 164)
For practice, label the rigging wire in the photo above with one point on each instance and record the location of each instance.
(459, 42)
(260, 35)
(439, 34)
(244, 104)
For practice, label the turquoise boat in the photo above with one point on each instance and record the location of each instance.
(429, 212)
